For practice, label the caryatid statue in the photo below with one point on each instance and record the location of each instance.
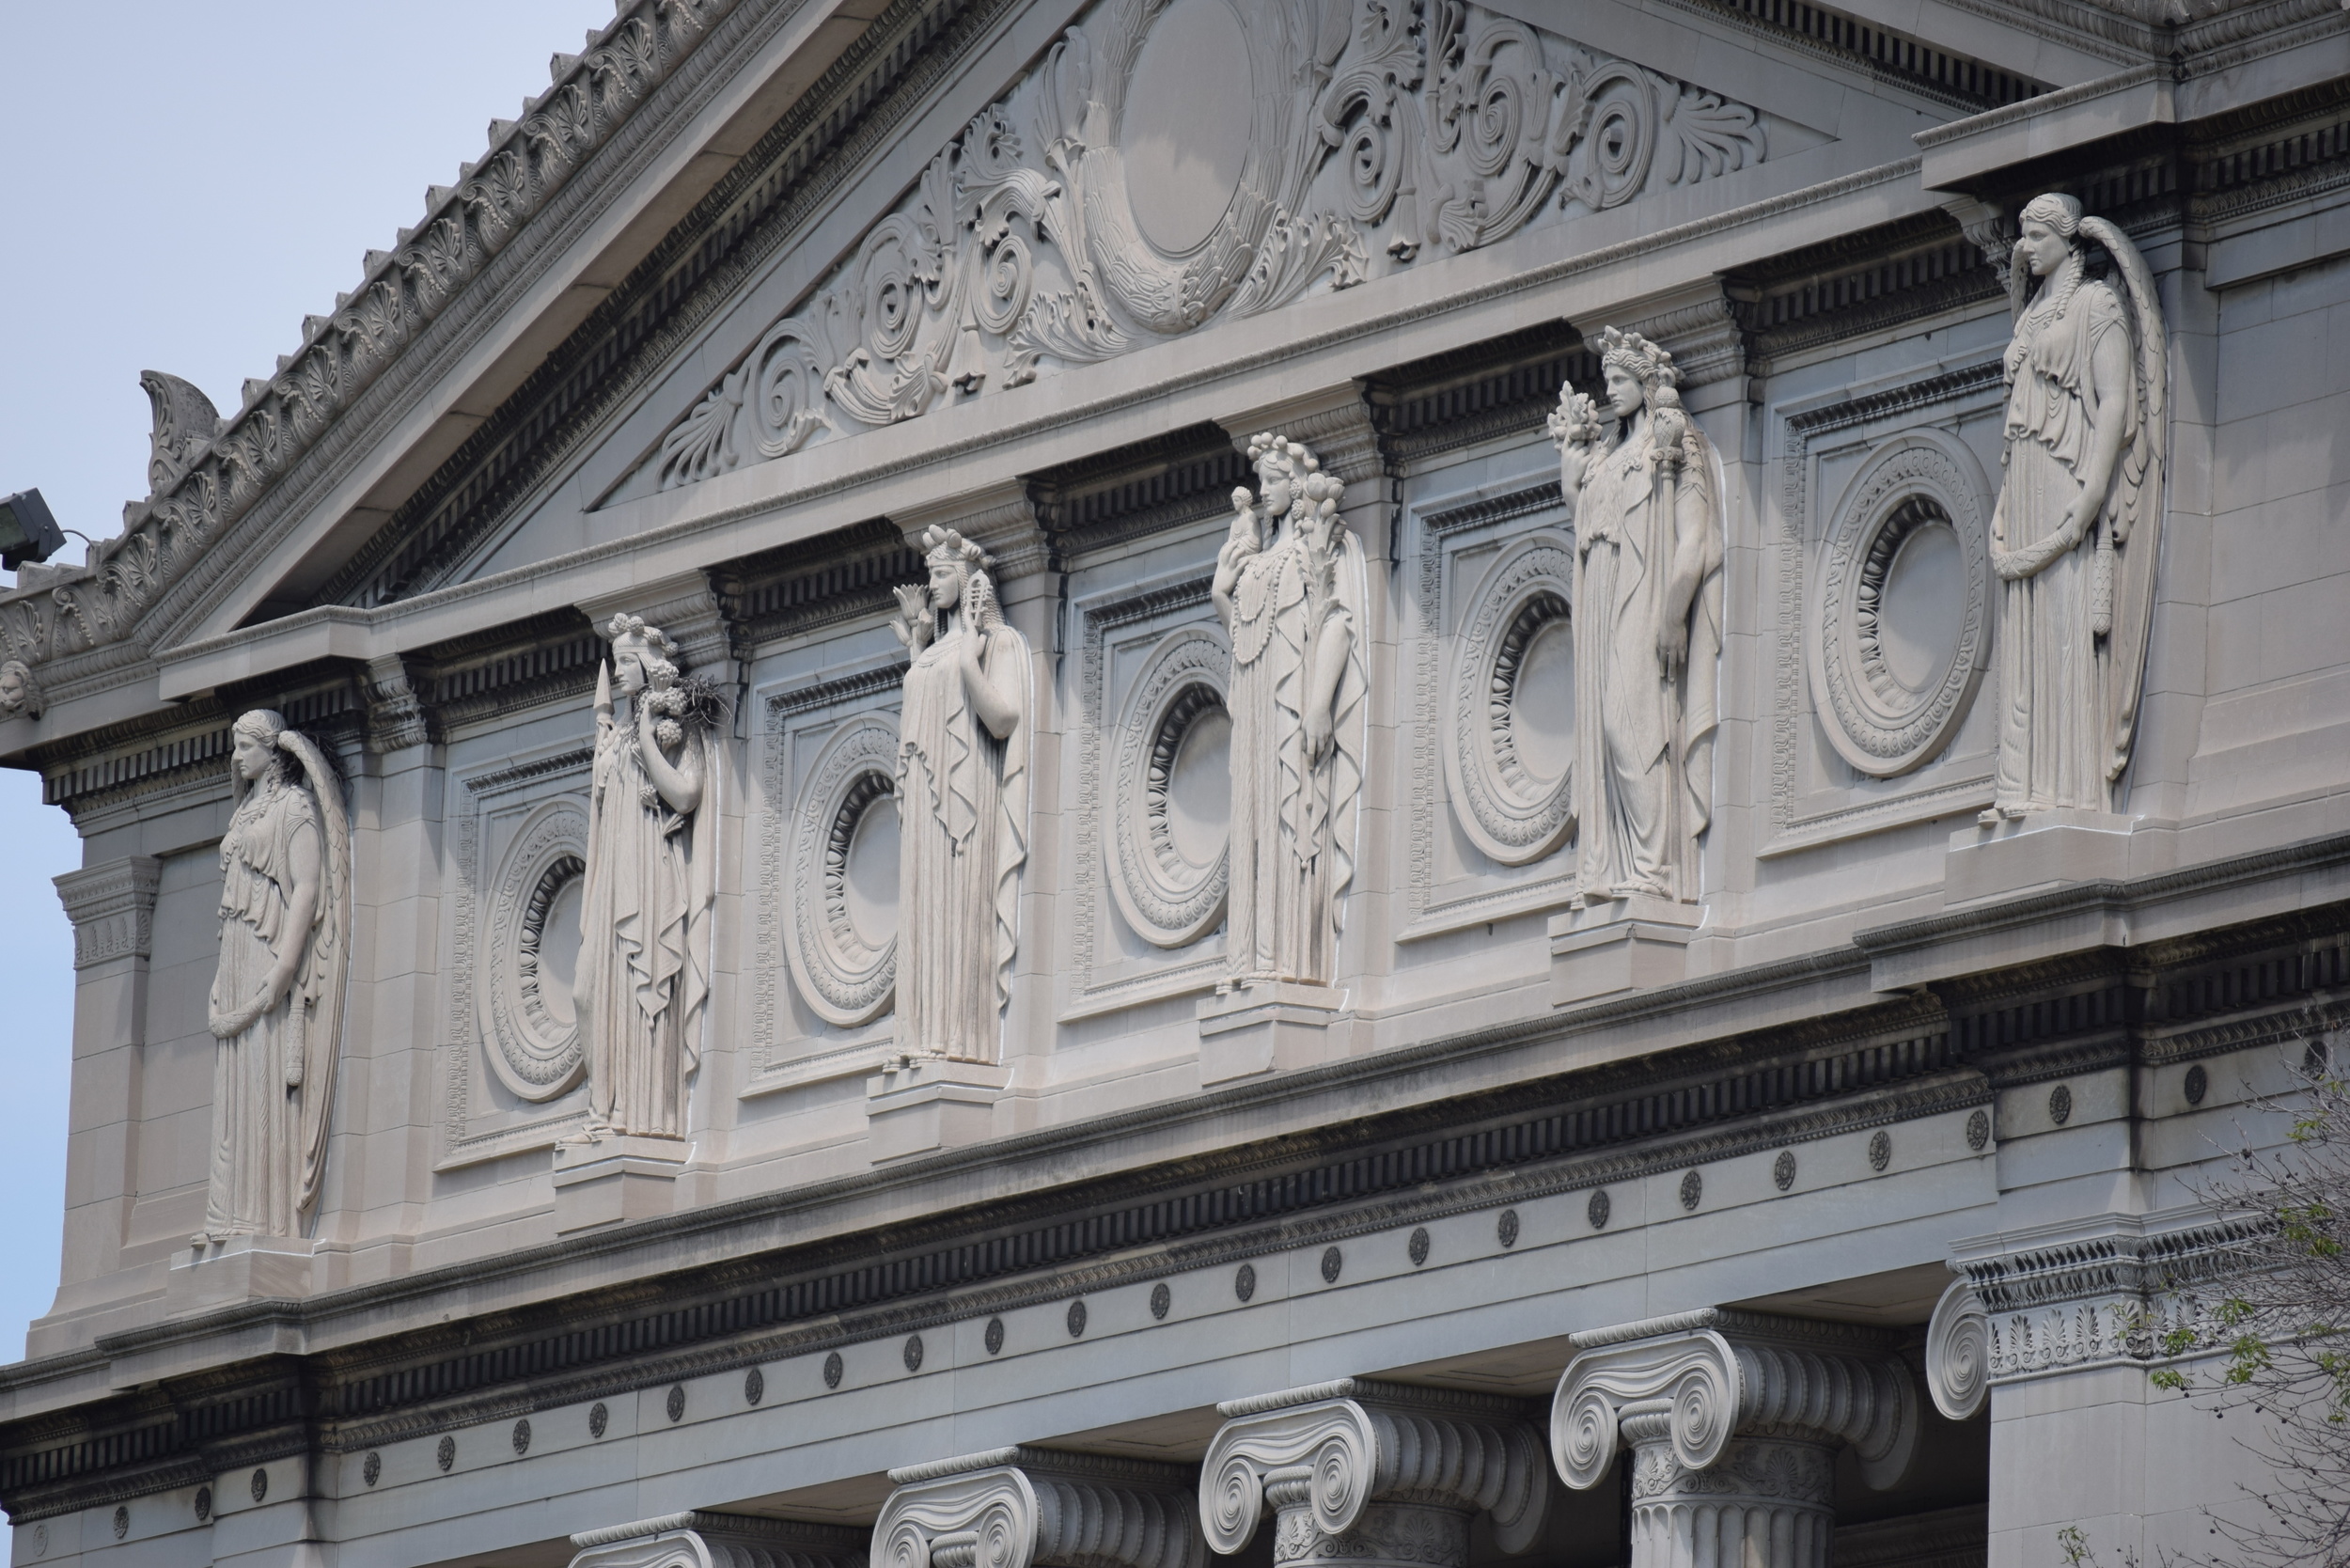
(1642, 491)
(2079, 512)
(962, 804)
(644, 919)
(1290, 586)
(277, 996)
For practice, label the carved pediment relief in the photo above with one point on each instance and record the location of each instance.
(1173, 162)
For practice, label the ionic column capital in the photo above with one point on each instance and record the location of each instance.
(1358, 1463)
(1031, 1507)
(719, 1540)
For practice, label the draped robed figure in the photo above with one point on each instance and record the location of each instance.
(962, 805)
(2074, 536)
(276, 1003)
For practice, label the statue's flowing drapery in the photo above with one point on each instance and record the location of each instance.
(1293, 834)
(273, 1080)
(1644, 743)
(644, 975)
(962, 809)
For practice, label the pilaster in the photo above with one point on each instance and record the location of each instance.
(1030, 1508)
(1373, 1475)
(113, 910)
(1734, 1419)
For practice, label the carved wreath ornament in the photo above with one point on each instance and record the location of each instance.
(1173, 163)
(1170, 891)
(1517, 801)
(535, 1046)
(844, 974)
(1882, 720)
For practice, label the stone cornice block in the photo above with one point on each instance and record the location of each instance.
(684, 605)
(1699, 326)
(113, 908)
(1334, 421)
(698, 1540)
(1722, 1373)
(1337, 1448)
(1035, 1508)
(1001, 518)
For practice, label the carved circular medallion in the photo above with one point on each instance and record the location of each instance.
(1161, 1300)
(2061, 1104)
(204, 1494)
(1416, 1247)
(2198, 1084)
(1692, 1188)
(1506, 1228)
(122, 1521)
(1880, 1150)
(1596, 1211)
(1332, 1261)
(1513, 708)
(994, 1336)
(676, 1402)
(1170, 803)
(530, 952)
(1977, 1130)
(2317, 1056)
(1189, 108)
(40, 1540)
(260, 1485)
(1783, 1170)
(598, 1420)
(1899, 627)
(834, 1366)
(754, 1385)
(445, 1455)
(843, 946)
(1245, 1281)
(1077, 1318)
(522, 1436)
(913, 1353)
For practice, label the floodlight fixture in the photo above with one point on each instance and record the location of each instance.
(27, 531)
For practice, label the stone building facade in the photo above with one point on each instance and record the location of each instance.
(1107, 782)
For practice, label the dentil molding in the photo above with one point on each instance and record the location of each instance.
(1033, 1508)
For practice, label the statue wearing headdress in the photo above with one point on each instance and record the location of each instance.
(644, 960)
(1642, 490)
(1290, 586)
(962, 804)
(2079, 512)
(277, 996)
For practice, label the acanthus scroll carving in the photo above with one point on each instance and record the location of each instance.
(1059, 228)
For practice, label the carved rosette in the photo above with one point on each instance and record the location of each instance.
(1734, 1419)
(1509, 761)
(1890, 695)
(1029, 1508)
(719, 1540)
(1169, 888)
(1373, 1473)
(845, 974)
(525, 1002)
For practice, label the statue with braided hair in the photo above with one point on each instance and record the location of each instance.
(2072, 537)
(1643, 489)
(645, 906)
(962, 804)
(1289, 587)
(277, 994)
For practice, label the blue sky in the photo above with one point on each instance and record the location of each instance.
(179, 186)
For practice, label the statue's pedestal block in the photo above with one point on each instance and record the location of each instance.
(611, 1180)
(926, 1103)
(2045, 849)
(1620, 945)
(1268, 1026)
(239, 1268)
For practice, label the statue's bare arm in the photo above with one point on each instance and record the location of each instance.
(2109, 371)
(1333, 646)
(999, 708)
(1696, 551)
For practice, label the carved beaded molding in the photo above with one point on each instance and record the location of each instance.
(1914, 482)
(1025, 249)
(535, 1049)
(1028, 1507)
(113, 909)
(844, 979)
(1510, 811)
(700, 1540)
(1168, 901)
(207, 471)
(1325, 1454)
